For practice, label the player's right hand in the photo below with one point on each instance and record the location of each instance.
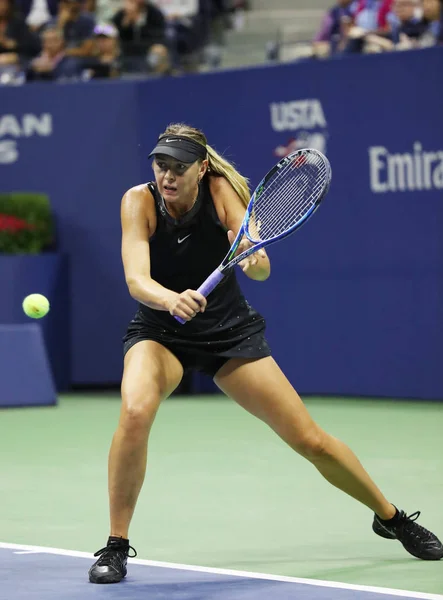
(187, 304)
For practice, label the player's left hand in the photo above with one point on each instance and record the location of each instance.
(252, 259)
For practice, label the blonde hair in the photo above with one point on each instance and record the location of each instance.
(217, 165)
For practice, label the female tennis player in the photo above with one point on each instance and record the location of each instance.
(176, 231)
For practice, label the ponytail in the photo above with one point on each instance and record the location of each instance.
(221, 167)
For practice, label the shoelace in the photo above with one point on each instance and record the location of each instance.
(106, 552)
(409, 526)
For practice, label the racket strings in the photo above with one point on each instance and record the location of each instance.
(271, 209)
(285, 202)
(288, 196)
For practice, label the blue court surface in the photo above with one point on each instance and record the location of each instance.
(38, 573)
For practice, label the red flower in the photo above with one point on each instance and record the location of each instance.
(14, 224)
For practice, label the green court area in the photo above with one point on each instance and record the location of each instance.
(223, 491)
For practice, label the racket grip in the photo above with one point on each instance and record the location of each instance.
(211, 282)
(206, 288)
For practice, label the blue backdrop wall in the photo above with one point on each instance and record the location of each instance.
(355, 301)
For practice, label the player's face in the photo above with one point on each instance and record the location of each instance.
(176, 181)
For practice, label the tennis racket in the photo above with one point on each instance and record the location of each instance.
(284, 199)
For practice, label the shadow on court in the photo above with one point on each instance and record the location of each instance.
(36, 575)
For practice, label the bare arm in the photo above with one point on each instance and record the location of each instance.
(135, 251)
(138, 223)
(231, 211)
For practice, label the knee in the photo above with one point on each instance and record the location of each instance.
(138, 412)
(313, 444)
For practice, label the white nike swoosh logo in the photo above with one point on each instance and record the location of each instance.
(168, 140)
(183, 239)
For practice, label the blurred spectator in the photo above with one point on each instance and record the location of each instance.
(433, 18)
(367, 14)
(53, 63)
(90, 8)
(141, 27)
(406, 27)
(384, 12)
(106, 62)
(330, 35)
(106, 9)
(77, 27)
(188, 30)
(403, 27)
(37, 12)
(237, 10)
(407, 24)
(366, 21)
(17, 43)
(219, 22)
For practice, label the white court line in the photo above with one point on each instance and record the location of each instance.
(231, 573)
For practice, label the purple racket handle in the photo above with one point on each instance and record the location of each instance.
(206, 288)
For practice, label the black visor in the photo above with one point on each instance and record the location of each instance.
(180, 147)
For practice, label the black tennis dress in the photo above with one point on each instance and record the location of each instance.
(183, 253)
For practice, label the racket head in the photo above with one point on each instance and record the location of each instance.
(287, 196)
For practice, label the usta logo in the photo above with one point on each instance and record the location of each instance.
(306, 118)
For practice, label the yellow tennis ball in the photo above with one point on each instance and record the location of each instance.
(35, 306)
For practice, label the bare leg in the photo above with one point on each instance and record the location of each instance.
(260, 387)
(151, 373)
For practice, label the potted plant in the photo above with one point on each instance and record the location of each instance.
(26, 224)
(30, 263)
